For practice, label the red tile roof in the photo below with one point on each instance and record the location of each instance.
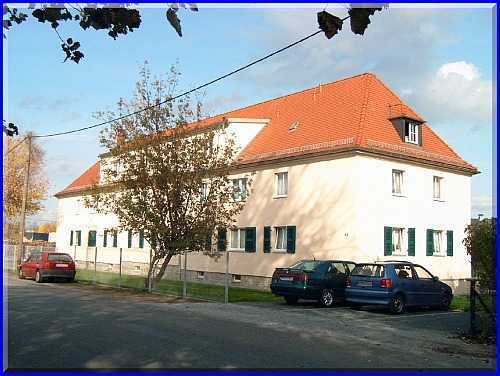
(352, 113)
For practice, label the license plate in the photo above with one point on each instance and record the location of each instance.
(365, 284)
(286, 278)
(61, 265)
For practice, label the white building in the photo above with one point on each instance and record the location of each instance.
(343, 170)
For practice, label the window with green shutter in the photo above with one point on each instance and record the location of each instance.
(78, 238)
(387, 241)
(141, 239)
(92, 239)
(115, 239)
(449, 243)
(221, 239)
(71, 237)
(411, 242)
(267, 239)
(430, 242)
(129, 243)
(105, 239)
(291, 234)
(250, 239)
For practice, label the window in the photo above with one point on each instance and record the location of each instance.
(438, 242)
(437, 187)
(71, 238)
(421, 273)
(307, 265)
(105, 239)
(368, 270)
(403, 271)
(281, 184)
(236, 278)
(78, 238)
(58, 257)
(141, 239)
(129, 242)
(337, 268)
(398, 246)
(397, 182)
(238, 239)
(280, 237)
(200, 275)
(205, 190)
(92, 240)
(115, 239)
(240, 189)
(411, 132)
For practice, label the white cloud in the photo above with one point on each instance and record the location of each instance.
(484, 205)
(461, 68)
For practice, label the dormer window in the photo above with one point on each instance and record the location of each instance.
(411, 132)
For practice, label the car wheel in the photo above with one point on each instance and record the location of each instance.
(20, 274)
(327, 298)
(291, 300)
(397, 304)
(38, 277)
(445, 301)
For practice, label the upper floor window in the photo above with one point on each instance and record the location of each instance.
(281, 184)
(411, 132)
(397, 182)
(437, 188)
(240, 189)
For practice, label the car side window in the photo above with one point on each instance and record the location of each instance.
(403, 271)
(421, 273)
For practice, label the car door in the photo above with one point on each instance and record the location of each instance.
(337, 275)
(27, 267)
(406, 283)
(428, 287)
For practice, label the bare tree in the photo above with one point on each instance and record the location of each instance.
(166, 176)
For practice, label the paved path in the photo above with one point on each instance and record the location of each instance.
(69, 326)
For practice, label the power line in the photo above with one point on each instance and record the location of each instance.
(189, 91)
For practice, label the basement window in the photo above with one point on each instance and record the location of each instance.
(200, 275)
(236, 278)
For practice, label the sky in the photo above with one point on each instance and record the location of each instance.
(438, 60)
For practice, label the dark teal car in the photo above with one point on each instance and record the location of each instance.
(320, 280)
(396, 285)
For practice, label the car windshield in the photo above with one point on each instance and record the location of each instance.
(306, 265)
(59, 257)
(368, 270)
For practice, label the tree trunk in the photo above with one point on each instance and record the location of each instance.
(163, 268)
(150, 283)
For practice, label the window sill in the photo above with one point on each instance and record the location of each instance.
(400, 254)
(242, 250)
(438, 255)
(280, 196)
(398, 195)
(438, 199)
(278, 250)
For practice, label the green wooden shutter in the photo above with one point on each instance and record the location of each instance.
(78, 238)
(129, 244)
(115, 239)
(411, 242)
(291, 234)
(430, 242)
(141, 239)
(71, 238)
(250, 241)
(105, 240)
(387, 241)
(267, 239)
(221, 239)
(449, 243)
(91, 241)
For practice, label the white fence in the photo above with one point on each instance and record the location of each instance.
(10, 253)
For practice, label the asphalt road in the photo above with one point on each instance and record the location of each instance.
(71, 326)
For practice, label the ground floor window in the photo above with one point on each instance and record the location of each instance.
(280, 238)
(438, 242)
(238, 239)
(398, 239)
(78, 238)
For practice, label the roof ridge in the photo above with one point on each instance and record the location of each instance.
(364, 105)
(288, 95)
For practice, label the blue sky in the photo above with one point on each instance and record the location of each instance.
(439, 60)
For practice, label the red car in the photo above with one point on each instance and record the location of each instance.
(45, 265)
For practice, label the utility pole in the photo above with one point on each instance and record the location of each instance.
(20, 254)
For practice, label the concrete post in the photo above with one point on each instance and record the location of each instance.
(226, 282)
(95, 266)
(184, 282)
(120, 275)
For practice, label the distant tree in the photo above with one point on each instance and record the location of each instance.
(164, 178)
(117, 19)
(480, 242)
(47, 228)
(14, 170)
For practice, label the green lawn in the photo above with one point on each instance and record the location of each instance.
(194, 289)
(460, 302)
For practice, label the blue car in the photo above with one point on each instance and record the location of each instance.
(396, 285)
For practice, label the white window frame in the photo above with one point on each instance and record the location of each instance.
(412, 136)
(200, 275)
(438, 234)
(277, 240)
(277, 193)
(403, 251)
(440, 180)
(205, 190)
(239, 231)
(236, 278)
(402, 183)
(243, 189)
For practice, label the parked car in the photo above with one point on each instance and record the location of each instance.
(397, 285)
(44, 265)
(320, 280)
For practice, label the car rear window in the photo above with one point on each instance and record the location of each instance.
(59, 257)
(368, 270)
(307, 266)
